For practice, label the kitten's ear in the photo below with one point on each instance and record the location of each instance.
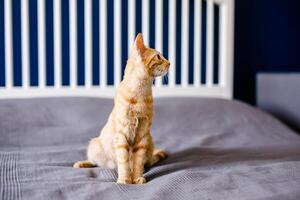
(139, 45)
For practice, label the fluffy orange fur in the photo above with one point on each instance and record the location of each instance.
(125, 141)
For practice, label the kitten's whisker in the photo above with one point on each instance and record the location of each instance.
(166, 77)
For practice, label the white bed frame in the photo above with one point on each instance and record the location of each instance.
(222, 90)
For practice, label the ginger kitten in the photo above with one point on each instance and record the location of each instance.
(125, 141)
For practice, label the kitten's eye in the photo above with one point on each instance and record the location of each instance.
(158, 56)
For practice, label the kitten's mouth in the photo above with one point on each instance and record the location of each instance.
(167, 66)
(164, 71)
(161, 70)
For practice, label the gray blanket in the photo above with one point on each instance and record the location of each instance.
(218, 149)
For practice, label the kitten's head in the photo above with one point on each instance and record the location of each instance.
(153, 62)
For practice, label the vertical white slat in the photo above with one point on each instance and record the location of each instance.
(172, 42)
(25, 43)
(197, 42)
(117, 42)
(184, 43)
(73, 42)
(57, 43)
(158, 33)
(145, 21)
(8, 44)
(103, 43)
(131, 24)
(88, 35)
(209, 43)
(41, 43)
(222, 47)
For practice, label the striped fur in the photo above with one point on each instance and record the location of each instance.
(125, 141)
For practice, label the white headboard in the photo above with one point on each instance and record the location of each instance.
(178, 38)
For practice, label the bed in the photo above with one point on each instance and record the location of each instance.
(219, 149)
(50, 105)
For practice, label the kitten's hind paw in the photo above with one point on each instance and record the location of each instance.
(158, 155)
(139, 180)
(83, 164)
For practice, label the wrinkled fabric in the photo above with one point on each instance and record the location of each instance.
(219, 149)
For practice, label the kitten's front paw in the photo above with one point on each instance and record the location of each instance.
(139, 180)
(124, 181)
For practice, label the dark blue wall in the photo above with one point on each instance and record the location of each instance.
(267, 39)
